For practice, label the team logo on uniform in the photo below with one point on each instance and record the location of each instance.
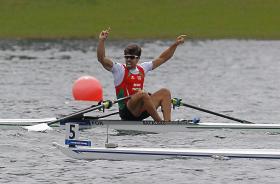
(136, 85)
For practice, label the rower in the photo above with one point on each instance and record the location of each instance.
(129, 80)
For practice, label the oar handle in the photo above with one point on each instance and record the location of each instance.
(217, 114)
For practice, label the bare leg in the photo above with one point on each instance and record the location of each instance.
(162, 98)
(141, 102)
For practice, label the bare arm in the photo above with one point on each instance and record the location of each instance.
(168, 53)
(106, 62)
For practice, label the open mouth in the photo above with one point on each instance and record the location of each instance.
(128, 63)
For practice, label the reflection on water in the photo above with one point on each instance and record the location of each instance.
(239, 78)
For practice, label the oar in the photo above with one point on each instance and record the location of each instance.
(177, 102)
(46, 126)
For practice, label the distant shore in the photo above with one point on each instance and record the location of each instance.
(143, 19)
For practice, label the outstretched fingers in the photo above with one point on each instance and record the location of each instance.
(104, 34)
(180, 39)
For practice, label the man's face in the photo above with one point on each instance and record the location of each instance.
(131, 61)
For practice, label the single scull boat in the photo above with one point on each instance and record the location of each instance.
(82, 149)
(145, 126)
(91, 153)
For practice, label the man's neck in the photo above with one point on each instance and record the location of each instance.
(133, 70)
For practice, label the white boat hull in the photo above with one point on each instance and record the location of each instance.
(90, 153)
(145, 126)
(173, 126)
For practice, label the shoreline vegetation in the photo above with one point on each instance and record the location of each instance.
(142, 19)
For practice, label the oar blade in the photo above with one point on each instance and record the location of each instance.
(42, 127)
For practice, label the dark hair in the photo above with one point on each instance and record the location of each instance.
(132, 49)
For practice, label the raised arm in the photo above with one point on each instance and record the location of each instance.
(168, 53)
(106, 62)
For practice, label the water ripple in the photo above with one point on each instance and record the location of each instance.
(236, 77)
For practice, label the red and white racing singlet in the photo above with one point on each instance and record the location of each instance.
(130, 84)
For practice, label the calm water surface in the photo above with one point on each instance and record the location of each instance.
(239, 77)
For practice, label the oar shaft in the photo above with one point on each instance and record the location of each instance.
(76, 114)
(217, 114)
(104, 104)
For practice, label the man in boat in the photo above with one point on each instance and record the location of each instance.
(129, 80)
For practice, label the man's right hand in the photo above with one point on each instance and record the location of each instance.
(104, 34)
(180, 39)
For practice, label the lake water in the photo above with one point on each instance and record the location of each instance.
(236, 77)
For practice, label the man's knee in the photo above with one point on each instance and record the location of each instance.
(144, 95)
(165, 92)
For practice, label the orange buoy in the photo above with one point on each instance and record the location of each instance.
(87, 88)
